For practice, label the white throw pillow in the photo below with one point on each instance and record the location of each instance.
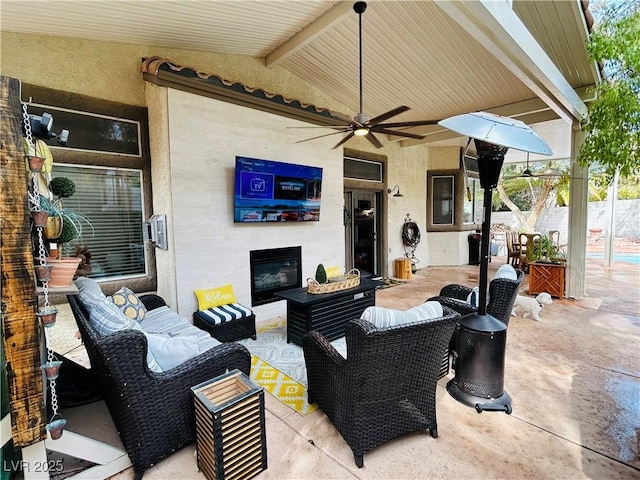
(170, 352)
(88, 289)
(382, 317)
(164, 321)
(425, 311)
(106, 318)
(506, 271)
(472, 298)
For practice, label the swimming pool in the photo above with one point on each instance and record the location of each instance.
(619, 257)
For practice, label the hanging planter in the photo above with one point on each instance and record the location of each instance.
(53, 228)
(65, 224)
(35, 164)
(43, 272)
(63, 271)
(47, 316)
(52, 369)
(40, 218)
(56, 427)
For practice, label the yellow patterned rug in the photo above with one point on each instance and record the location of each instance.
(279, 366)
(284, 388)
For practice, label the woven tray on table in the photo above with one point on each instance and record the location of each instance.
(335, 284)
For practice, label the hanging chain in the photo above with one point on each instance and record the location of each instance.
(52, 382)
(27, 126)
(34, 200)
(34, 197)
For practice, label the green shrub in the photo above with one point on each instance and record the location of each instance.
(62, 187)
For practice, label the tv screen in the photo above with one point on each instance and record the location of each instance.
(268, 191)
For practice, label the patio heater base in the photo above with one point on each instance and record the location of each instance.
(499, 404)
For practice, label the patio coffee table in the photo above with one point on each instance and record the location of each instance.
(326, 312)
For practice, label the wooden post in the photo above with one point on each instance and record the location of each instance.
(20, 329)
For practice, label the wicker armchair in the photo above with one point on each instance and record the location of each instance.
(502, 296)
(153, 412)
(387, 384)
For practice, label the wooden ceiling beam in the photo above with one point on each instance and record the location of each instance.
(529, 111)
(309, 33)
(501, 32)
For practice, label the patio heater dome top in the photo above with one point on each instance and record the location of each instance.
(498, 130)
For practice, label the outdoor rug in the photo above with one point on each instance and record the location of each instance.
(279, 366)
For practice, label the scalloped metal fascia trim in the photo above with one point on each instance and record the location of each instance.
(163, 72)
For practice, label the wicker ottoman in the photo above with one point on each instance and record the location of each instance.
(227, 323)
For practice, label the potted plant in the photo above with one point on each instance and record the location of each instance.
(546, 251)
(66, 225)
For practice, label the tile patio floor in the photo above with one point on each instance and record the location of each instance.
(574, 380)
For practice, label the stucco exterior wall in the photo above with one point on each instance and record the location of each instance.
(444, 158)
(446, 248)
(210, 250)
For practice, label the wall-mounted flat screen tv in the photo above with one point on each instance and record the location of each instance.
(269, 191)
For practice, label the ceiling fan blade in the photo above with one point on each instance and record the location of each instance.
(391, 113)
(377, 129)
(351, 134)
(415, 123)
(342, 127)
(539, 175)
(320, 136)
(372, 138)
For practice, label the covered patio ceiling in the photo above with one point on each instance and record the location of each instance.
(517, 58)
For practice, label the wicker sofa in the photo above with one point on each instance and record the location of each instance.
(386, 386)
(153, 412)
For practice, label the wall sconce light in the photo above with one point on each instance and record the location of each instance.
(395, 189)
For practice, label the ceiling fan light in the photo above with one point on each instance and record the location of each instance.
(361, 131)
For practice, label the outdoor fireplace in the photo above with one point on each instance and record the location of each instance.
(274, 270)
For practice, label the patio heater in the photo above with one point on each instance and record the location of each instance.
(479, 378)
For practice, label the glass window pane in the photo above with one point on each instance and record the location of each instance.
(93, 132)
(111, 199)
(357, 169)
(472, 202)
(442, 189)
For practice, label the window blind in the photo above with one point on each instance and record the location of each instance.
(111, 200)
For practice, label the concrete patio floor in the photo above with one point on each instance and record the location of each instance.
(574, 380)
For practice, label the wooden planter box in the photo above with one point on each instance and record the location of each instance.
(230, 427)
(547, 277)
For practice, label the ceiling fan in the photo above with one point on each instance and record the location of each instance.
(361, 124)
(528, 173)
